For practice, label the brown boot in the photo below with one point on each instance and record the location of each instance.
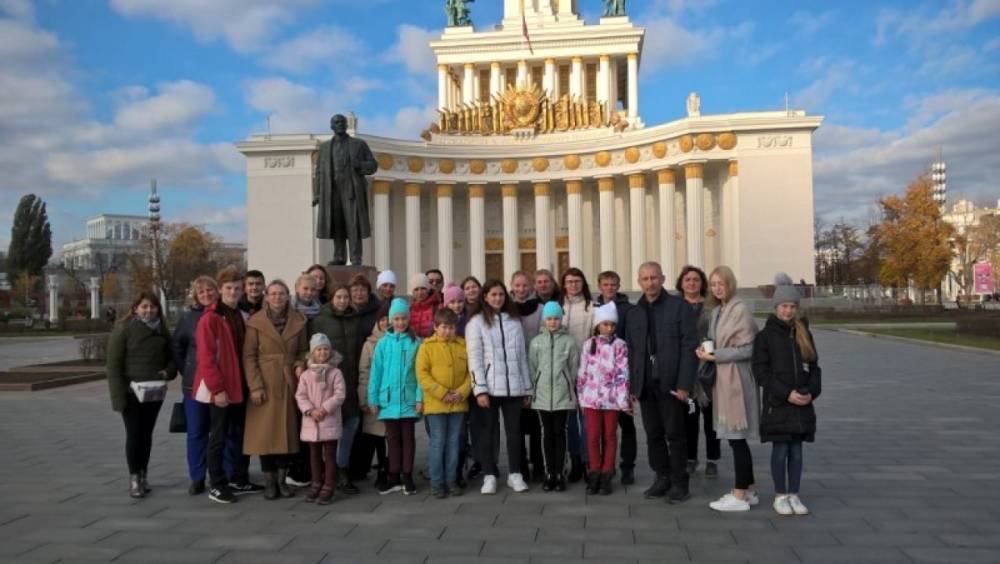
(315, 471)
(283, 487)
(330, 474)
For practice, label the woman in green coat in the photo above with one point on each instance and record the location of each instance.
(139, 356)
(553, 358)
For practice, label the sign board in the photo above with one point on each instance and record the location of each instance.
(982, 273)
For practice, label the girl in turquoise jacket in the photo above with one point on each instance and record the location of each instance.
(395, 396)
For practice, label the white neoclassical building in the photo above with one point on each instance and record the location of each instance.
(541, 159)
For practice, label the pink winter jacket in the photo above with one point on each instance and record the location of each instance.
(321, 385)
(602, 381)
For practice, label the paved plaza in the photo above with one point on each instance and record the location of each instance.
(905, 470)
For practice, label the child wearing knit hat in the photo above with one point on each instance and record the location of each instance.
(453, 298)
(603, 388)
(552, 359)
(320, 394)
(395, 397)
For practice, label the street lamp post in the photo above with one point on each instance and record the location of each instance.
(154, 232)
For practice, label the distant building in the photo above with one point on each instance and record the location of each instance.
(110, 239)
(964, 214)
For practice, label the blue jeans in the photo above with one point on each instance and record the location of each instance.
(347, 441)
(197, 416)
(446, 429)
(786, 455)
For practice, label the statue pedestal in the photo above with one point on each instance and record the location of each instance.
(342, 275)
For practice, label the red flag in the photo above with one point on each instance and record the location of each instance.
(524, 28)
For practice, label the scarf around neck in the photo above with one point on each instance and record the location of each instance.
(735, 328)
(278, 318)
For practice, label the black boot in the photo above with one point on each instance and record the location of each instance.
(575, 469)
(628, 476)
(271, 486)
(679, 493)
(659, 488)
(560, 483)
(143, 482)
(283, 487)
(594, 483)
(135, 486)
(606, 483)
(475, 471)
(344, 483)
(549, 483)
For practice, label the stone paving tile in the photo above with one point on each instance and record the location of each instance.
(476, 560)
(920, 489)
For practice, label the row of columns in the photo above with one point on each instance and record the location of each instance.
(545, 241)
(452, 93)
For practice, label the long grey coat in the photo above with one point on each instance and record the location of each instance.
(337, 208)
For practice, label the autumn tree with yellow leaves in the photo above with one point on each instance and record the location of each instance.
(912, 240)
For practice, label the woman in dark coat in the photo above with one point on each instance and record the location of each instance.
(139, 352)
(365, 303)
(339, 321)
(785, 365)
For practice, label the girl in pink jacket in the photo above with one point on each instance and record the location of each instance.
(320, 394)
(602, 385)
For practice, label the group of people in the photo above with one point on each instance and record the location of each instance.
(318, 379)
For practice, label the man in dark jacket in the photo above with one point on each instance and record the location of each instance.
(608, 283)
(252, 299)
(662, 335)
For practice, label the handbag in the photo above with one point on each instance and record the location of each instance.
(178, 419)
(706, 375)
(151, 391)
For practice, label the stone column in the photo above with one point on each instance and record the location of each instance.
(380, 233)
(576, 78)
(633, 85)
(637, 218)
(543, 230)
(495, 86)
(735, 252)
(668, 229)
(550, 77)
(694, 174)
(522, 73)
(53, 285)
(606, 194)
(604, 80)
(413, 238)
(446, 230)
(511, 244)
(467, 83)
(574, 207)
(477, 230)
(443, 85)
(95, 297)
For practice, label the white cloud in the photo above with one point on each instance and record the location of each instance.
(246, 25)
(854, 166)
(406, 123)
(412, 49)
(668, 43)
(178, 105)
(807, 23)
(298, 108)
(329, 46)
(18, 9)
(229, 222)
(925, 29)
(836, 77)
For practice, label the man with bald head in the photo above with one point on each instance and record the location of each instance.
(662, 336)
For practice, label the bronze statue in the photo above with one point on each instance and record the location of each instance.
(341, 192)
(614, 8)
(457, 12)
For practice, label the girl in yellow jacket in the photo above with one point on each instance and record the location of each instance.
(443, 374)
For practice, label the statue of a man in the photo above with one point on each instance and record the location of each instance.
(341, 192)
(614, 8)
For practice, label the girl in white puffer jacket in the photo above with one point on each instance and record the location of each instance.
(501, 382)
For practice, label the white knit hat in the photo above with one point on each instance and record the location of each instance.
(606, 312)
(319, 340)
(385, 277)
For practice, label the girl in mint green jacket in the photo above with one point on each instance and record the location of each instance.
(553, 358)
(395, 397)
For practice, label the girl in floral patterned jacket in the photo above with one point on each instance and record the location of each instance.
(603, 388)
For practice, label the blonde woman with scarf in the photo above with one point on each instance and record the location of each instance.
(735, 398)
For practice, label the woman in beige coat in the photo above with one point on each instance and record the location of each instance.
(273, 356)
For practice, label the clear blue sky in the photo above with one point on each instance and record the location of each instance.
(97, 97)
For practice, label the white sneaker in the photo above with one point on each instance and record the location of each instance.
(489, 485)
(516, 482)
(781, 505)
(752, 498)
(797, 506)
(289, 481)
(729, 502)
